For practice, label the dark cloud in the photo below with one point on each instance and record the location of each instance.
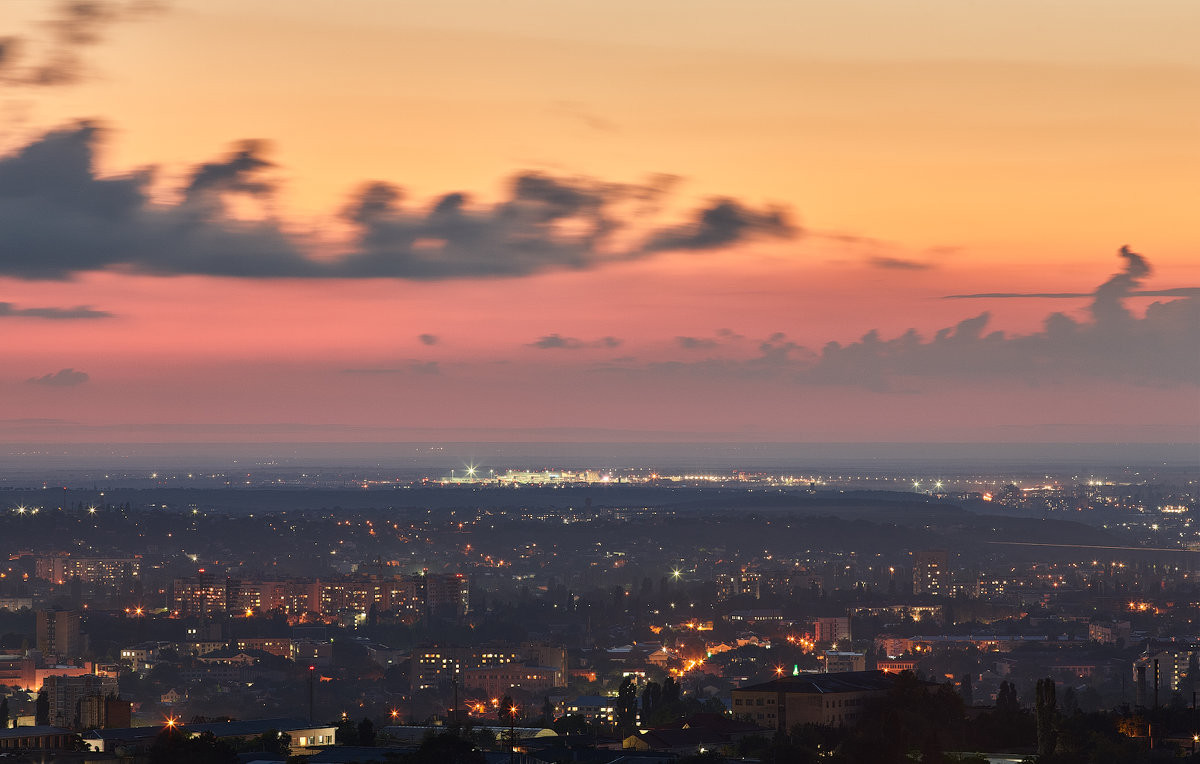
(59, 218)
(240, 172)
(60, 378)
(898, 264)
(723, 337)
(558, 342)
(52, 54)
(695, 343)
(428, 339)
(79, 312)
(721, 223)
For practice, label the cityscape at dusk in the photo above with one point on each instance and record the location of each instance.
(657, 382)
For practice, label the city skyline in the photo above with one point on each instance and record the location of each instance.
(817, 223)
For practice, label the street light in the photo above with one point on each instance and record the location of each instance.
(512, 734)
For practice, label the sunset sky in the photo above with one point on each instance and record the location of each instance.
(777, 220)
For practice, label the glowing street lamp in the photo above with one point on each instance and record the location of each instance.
(512, 733)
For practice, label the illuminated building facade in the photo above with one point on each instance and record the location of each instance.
(201, 595)
(437, 667)
(62, 569)
(409, 598)
(931, 573)
(499, 680)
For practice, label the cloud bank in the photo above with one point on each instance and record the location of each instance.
(1160, 348)
(59, 218)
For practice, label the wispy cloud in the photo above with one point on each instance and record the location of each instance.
(61, 378)
(52, 54)
(898, 264)
(79, 312)
(558, 342)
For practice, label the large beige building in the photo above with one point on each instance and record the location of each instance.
(58, 633)
(68, 693)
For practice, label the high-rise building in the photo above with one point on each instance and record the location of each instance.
(931, 572)
(68, 693)
(833, 629)
(202, 595)
(58, 633)
(447, 593)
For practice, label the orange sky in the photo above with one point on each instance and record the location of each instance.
(921, 151)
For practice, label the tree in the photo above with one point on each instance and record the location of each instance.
(967, 690)
(347, 733)
(4, 713)
(547, 711)
(627, 706)
(571, 724)
(651, 699)
(1070, 703)
(366, 732)
(175, 747)
(42, 709)
(713, 705)
(447, 749)
(1006, 700)
(271, 741)
(1044, 714)
(505, 712)
(670, 691)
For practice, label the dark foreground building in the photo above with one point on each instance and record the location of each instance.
(834, 700)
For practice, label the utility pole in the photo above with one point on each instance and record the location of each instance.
(512, 734)
(311, 676)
